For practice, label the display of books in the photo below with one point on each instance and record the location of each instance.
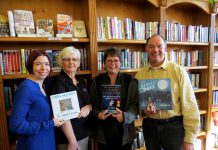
(111, 97)
(24, 24)
(65, 105)
(44, 28)
(157, 91)
(64, 25)
(79, 29)
(4, 26)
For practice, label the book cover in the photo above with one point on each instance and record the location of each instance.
(24, 24)
(157, 91)
(65, 105)
(44, 28)
(55, 65)
(4, 26)
(79, 28)
(64, 25)
(111, 97)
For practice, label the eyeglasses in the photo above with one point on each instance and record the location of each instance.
(153, 46)
(69, 59)
(113, 60)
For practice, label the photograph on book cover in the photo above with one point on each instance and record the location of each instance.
(65, 105)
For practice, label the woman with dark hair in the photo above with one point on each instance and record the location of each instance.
(115, 129)
(31, 115)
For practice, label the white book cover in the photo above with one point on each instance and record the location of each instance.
(65, 105)
(24, 23)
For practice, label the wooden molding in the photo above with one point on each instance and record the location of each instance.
(163, 3)
(214, 7)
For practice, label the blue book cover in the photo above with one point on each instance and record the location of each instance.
(111, 98)
(157, 91)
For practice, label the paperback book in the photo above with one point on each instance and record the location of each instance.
(111, 97)
(44, 28)
(4, 26)
(64, 25)
(79, 29)
(157, 91)
(24, 23)
(65, 105)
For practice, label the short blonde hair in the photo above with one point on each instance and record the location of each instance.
(65, 52)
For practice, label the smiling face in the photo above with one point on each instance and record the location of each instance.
(155, 49)
(41, 67)
(112, 64)
(70, 64)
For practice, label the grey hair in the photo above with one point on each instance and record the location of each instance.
(65, 52)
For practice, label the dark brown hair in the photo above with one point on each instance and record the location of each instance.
(33, 56)
(113, 52)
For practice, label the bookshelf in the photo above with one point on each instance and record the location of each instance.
(48, 10)
(139, 10)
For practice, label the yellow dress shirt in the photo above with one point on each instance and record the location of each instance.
(183, 97)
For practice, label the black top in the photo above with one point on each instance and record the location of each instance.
(81, 126)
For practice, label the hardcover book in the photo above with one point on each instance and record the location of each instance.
(44, 28)
(24, 24)
(65, 105)
(64, 25)
(79, 29)
(4, 26)
(157, 91)
(111, 97)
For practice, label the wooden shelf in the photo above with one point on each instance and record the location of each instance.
(214, 109)
(196, 67)
(138, 122)
(200, 90)
(187, 43)
(21, 76)
(141, 148)
(215, 88)
(114, 41)
(43, 39)
(123, 70)
(201, 134)
(202, 112)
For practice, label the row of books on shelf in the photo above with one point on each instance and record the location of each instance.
(14, 61)
(21, 23)
(215, 58)
(186, 33)
(215, 78)
(195, 79)
(185, 58)
(215, 99)
(129, 59)
(114, 28)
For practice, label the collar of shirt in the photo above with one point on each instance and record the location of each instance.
(164, 65)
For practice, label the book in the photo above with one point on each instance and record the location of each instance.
(111, 97)
(24, 24)
(65, 105)
(64, 25)
(157, 91)
(44, 28)
(4, 26)
(79, 29)
(11, 23)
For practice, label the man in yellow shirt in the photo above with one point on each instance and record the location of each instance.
(174, 129)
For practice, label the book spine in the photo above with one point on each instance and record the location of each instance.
(11, 23)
